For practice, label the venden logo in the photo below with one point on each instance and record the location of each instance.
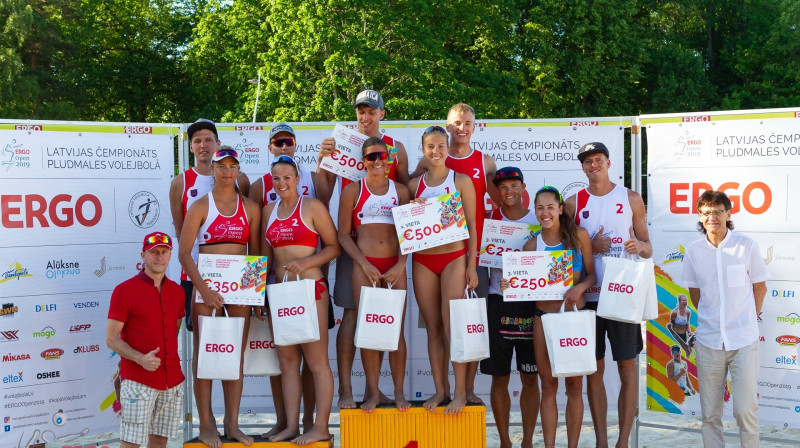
(89, 304)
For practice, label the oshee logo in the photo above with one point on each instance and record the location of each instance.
(143, 209)
(791, 319)
(756, 197)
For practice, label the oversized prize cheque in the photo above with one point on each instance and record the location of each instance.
(240, 279)
(346, 159)
(436, 222)
(537, 275)
(503, 236)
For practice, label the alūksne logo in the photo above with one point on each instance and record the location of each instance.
(15, 272)
(676, 254)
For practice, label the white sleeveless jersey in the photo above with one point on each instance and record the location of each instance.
(495, 274)
(611, 211)
(426, 191)
(305, 187)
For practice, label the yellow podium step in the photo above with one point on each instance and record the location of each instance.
(258, 443)
(386, 427)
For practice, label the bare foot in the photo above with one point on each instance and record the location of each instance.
(210, 437)
(473, 399)
(432, 403)
(346, 401)
(315, 435)
(456, 405)
(275, 430)
(370, 403)
(238, 435)
(286, 434)
(402, 403)
(383, 399)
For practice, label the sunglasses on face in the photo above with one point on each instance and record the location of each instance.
(550, 189)
(153, 239)
(282, 142)
(375, 156)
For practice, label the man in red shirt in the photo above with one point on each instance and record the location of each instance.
(143, 321)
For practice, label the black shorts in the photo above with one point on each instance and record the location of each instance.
(626, 339)
(510, 329)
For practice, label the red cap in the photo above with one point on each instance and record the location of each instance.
(156, 239)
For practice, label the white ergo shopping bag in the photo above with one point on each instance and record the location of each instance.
(627, 284)
(220, 348)
(380, 317)
(570, 339)
(260, 357)
(293, 308)
(469, 337)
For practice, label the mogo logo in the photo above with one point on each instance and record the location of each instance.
(756, 197)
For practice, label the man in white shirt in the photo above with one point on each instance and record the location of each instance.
(726, 277)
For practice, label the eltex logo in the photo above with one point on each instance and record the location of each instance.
(8, 309)
(791, 319)
(787, 340)
(786, 360)
(9, 335)
(13, 378)
(45, 332)
(143, 209)
(676, 254)
(15, 272)
(52, 353)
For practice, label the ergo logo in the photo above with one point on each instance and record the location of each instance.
(573, 342)
(293, 311)
(620, 287)
(61, 214)
(219, 348)
(380, 318)
(479, 328)
(262, 345)
(681, 204)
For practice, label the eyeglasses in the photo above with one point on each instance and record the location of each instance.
(375, 156)
(707, 213)
(550, 189)
(433, 128)
(160, 238)
(282, 142)
(226, 152)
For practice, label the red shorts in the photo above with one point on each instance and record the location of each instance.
(383, 264)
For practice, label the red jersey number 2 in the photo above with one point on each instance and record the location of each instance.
(619, 209)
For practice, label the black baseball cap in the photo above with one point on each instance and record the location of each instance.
(591, 148)
(507, 173)
(202, 123)
(371, 98)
